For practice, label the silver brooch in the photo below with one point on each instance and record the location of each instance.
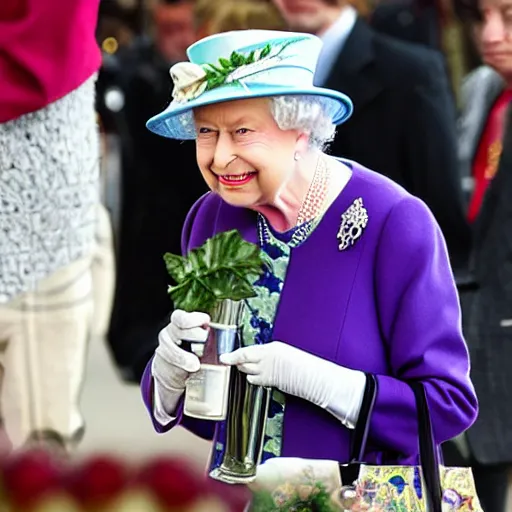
(353, 222)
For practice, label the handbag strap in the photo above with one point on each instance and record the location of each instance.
(361, 432)
(428, 452)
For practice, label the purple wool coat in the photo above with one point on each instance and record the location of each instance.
(387, 305)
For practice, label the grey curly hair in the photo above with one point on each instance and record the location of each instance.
(308, 114)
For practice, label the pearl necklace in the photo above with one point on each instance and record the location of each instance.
(315, 198)
(311, 210)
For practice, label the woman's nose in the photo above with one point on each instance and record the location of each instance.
(493, 30)
(223, 151)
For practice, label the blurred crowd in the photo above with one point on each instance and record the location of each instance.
(431, 85)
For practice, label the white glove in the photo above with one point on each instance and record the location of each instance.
(335, 388)
(172, 365)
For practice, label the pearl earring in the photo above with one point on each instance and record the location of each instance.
(296, 156)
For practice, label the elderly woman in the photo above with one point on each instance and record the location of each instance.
(361, 282)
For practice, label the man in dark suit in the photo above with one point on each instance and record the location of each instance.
(485, 152)
(404, 118)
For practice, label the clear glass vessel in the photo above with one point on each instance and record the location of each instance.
(207, 391)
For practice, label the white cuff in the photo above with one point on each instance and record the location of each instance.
(164, 400)
(346, 399)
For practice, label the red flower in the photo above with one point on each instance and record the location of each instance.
(98, 480)
(172, 481)
(29, 476)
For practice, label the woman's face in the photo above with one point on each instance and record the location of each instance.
(242, 154)
(494, 35)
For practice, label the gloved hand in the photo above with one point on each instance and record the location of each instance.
(172, 365)
(335, 388)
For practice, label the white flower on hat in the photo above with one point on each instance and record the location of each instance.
(189, 81)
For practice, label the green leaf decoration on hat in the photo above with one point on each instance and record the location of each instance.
(224, 267)
(218, 74)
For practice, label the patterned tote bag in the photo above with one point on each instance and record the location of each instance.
(428, 487)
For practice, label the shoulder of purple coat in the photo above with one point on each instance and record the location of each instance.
(375, 184)
(411, 224)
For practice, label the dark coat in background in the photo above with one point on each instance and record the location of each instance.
(421, 22)
(408, 20)
(404, 124)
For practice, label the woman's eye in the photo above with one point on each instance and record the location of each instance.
(204, 130)
(242, 131)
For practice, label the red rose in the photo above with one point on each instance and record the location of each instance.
(98, 480)
(172, 481)
(29, 476)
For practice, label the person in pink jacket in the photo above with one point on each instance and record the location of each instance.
(49, 197)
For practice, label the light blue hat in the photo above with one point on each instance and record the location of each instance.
(244, 64)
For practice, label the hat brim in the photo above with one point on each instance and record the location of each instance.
(177, 122)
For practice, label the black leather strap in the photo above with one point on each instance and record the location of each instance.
(428, 452)
(360, 437)
(349, 472)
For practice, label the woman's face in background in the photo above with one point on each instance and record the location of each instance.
(242, 154)
(494, 35)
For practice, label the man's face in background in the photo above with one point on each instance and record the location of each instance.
(174, 30)
(493, 35)
(313, 16)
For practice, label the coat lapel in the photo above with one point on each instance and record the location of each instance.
(353, 72)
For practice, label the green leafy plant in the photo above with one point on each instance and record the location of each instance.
(224, 267)
(317, 501)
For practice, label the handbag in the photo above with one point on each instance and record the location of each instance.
(429, 487)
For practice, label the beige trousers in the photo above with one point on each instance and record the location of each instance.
(103, 274)
(43, 341)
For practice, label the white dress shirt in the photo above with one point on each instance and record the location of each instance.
(334, 38)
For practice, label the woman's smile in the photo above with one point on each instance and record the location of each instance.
(236, 180)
